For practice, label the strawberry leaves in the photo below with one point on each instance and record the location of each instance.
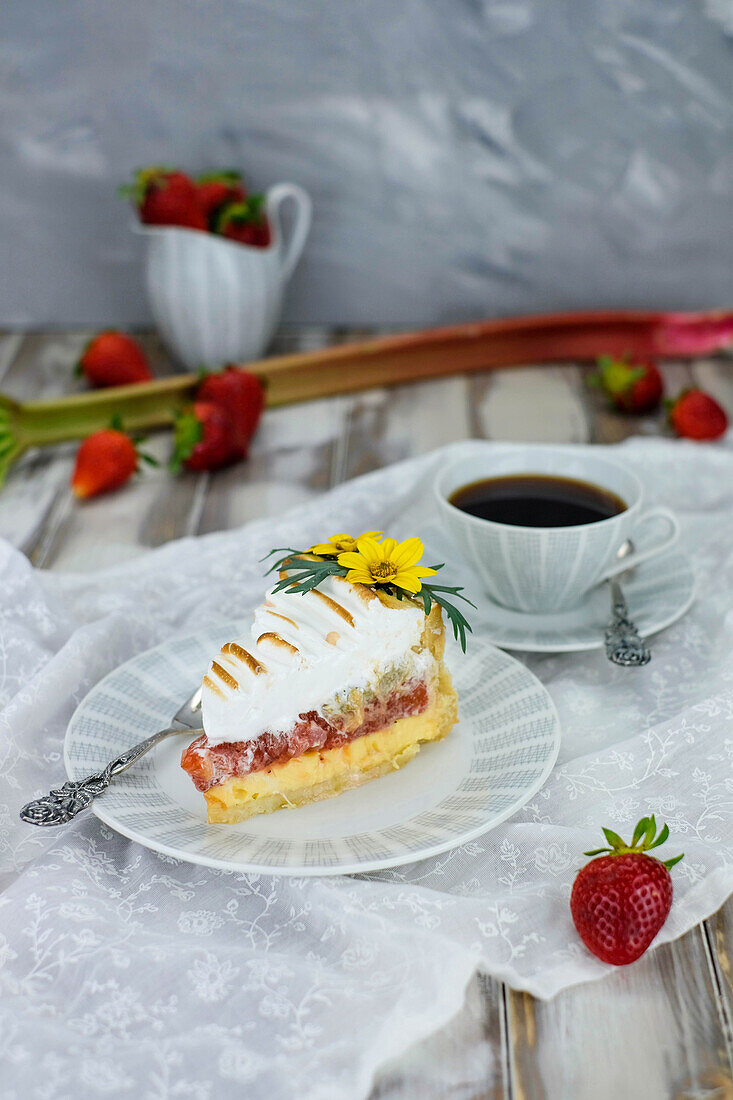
(644, 839)
(252, 210)
(188, 431)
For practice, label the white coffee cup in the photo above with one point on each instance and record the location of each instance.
(545, 569)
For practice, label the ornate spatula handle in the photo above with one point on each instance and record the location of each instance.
(63, 803)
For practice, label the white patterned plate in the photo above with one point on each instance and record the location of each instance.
(657, 592)
(493, 761)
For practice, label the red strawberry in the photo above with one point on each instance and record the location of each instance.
(218, 188)
(113, 359)
(634, 387)
(165, 196)
(245, 222)
(694, 415)
(621, 900)
(205, 438)
(105, 461)
(241, 394)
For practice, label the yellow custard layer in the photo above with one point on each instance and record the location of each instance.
(317, 775)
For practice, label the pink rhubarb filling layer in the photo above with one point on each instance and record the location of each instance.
(209, 765)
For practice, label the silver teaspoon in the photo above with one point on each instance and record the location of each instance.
(624, 646)
(63, 803)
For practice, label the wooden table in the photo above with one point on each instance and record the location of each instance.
(660, 1028)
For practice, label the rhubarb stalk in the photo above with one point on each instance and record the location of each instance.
(384, 361)
(40, 423)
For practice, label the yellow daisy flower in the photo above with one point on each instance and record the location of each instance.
(339, 544)
(388, 562)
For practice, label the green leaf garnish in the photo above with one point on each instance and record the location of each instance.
(303, 574)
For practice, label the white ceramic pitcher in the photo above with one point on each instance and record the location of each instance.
(216, 301)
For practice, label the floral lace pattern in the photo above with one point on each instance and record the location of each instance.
(128, 973)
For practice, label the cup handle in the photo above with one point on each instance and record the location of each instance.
(639, 556)
(290, 250)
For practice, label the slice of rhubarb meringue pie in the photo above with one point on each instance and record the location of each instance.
(341, 681)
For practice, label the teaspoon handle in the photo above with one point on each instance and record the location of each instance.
(64, 803)
(624, 646)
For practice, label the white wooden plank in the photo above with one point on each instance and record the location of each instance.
(425, 415)
(153, 508)
(463, 1060)
(532, 405)
(30, 489)
(649, 1030)
(677, 376)
(292, 338)
(43, 367)
(389, 425)
(10, 344)
(21, 503)
(296, 454)
(719, 939)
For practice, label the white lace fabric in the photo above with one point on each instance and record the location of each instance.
(123, 972)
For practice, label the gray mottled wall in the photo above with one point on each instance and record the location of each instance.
(466, 157)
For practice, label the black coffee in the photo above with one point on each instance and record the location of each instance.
(537, 500)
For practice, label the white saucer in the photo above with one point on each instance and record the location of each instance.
(658, 592)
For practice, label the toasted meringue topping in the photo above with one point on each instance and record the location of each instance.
(334, 606)
(275, 639)
(304, 650)
(277, 615)
(209, 683)
(227, 677)
(234, 650)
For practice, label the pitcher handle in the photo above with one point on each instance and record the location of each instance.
(290, 250)
(638, 556)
